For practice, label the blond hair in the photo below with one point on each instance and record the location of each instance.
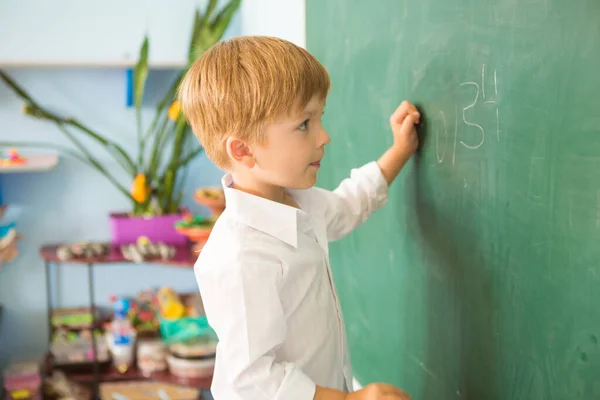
(240, 84)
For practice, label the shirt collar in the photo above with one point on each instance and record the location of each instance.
(270, 217)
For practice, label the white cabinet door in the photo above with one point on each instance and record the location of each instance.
(95, 32)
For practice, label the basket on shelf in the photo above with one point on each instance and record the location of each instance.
(184, 329)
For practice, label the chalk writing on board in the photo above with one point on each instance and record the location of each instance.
(483, 81)
(464, 117)
(440, 158)
(455, 133)
(468, 119)
(444, 127)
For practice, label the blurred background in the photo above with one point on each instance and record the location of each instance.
(84, 61)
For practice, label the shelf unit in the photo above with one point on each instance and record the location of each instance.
(34, 163)
(183, 258)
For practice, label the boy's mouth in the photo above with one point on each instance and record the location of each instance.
(316, 164)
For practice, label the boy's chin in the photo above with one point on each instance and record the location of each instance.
(305, 183)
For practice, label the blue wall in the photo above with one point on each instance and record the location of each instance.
(72, 202)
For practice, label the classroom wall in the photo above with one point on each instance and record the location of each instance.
(72, 202)
(287, 18)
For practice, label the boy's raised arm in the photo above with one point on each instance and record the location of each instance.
(357, 197)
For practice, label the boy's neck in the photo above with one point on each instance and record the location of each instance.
(260, 189)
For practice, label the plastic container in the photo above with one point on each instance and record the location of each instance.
(123, 352)
(151, 356)
(183, 329)
(22, 381)
(191, 368)
(196, 349)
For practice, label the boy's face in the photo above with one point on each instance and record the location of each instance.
(291, 154)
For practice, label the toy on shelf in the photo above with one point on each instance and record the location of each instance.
(71, 344)
(196, 228)
(23, 381)
(12, 158)
(121, 335)
(14, 162)
(212, 198)
(151, 356)
(75, 318)
(181, 318)
(75, 349)
(143, 314)
(8, 235)
(190, 340)
(82, 250)
(170, 304)
(144, 250)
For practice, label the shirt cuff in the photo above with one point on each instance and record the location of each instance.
(296, 385)
(378, 187)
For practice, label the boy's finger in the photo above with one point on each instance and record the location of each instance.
(401, 112)
(393, 390)
(408, 124)
(417, 115)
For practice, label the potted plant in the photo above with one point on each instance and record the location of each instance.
(155, 176)
(211, 197)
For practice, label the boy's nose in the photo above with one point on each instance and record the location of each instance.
(324, 138)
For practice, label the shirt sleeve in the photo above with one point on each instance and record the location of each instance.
(354, 200)
(243, 306)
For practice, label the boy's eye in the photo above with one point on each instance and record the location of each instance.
(303, 125)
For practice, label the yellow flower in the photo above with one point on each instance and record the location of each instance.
(174, 110)
(140, 190)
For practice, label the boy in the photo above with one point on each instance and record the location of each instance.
(255, 104)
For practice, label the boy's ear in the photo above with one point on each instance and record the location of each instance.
(239, 152)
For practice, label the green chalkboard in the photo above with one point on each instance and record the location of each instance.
(481, 277)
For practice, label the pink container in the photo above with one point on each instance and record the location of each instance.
(127, 229)
(23, 381)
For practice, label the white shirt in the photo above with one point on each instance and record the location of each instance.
(265, 281)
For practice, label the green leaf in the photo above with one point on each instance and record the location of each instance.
(198, 25)
(170, 175)
(163, 106)
(221, 22)
(17, 89)
(189, 157)
(158, 147)
(140, 74)
(92, 160)
(210, 8)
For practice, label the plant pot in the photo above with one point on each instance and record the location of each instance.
(126, 229)
(212, 198)
(195, 234)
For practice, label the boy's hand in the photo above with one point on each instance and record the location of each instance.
(406, 142)
(378, 391)
(403, 122)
